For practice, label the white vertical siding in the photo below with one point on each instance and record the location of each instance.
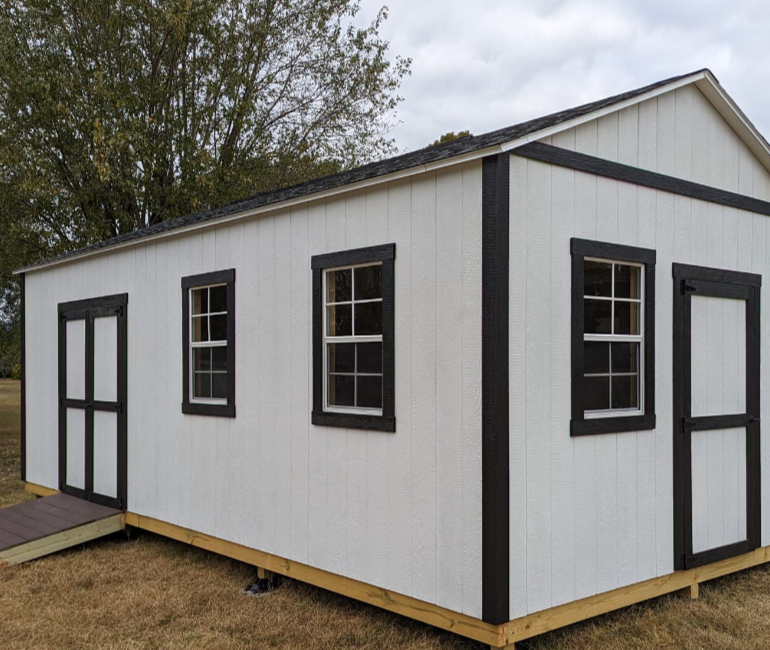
(594, 513)
(680, 134)
(399, 510)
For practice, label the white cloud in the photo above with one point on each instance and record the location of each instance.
(486, 64)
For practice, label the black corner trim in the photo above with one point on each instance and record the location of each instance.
(495, 469)
(619, 172)
(579, 424)
(385, 253)
(202, 279)
(23, 344)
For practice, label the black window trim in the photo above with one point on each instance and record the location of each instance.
(385, 253)
(200, 280)
(579, 424)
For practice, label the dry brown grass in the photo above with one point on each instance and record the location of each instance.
(149, 592)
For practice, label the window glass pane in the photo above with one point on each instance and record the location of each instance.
(202, 384)
(370, 358)
(200, 327)
(597, 278)
(625, 357)
(219, 385)
(597, 393)
(338, 320)
(626, 317)
(341, 390)
(624, 392)
(202, 359)
(338, 286)
(369, 392)
(596, 358)
(627, 281)
(598, 316)
(368, 282)
(342, 357)
(199, 301)
(218, 327)
(218, 298)
(219, 358)
(368, 318)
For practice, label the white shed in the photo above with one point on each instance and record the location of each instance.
(498, 385)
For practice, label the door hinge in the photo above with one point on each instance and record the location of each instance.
(687, 288)
(687, 425)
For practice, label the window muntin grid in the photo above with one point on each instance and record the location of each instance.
(208, 344)
(613, 317)
(352, 326)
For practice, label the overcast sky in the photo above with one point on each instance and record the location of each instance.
(485, 64)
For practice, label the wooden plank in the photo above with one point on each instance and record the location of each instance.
(17, 528)
(406, 606)
(51, 519)
(12, 514)
(42, 508)
(75, 505)
(8, 539)
(65, 539)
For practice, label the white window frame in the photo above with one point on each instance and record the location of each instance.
(203, 344)
(326, 339)
(619, 338)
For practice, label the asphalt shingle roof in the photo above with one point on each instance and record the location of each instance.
(388, 166)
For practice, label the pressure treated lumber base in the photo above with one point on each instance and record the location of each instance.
(60, 541)
(506, 635)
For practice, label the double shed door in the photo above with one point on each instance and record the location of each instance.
(92, 399)
(716, 414)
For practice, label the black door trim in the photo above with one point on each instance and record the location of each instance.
(689, 280)
(88, 310)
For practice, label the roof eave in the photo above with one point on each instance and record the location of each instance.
(271, 207)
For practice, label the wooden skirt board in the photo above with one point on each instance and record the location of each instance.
(505, 635)
(36, 528)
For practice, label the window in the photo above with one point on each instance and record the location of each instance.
(353, 352)
(613, 338)
(208, 334)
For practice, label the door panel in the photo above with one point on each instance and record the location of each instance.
(716, 414)
(76, 359)
(76, 448)
(105, 359)
(93, 390)
(719, 366)
(106, 453)
(718, 488)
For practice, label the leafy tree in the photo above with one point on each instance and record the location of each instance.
(116, 114)
(448, 137)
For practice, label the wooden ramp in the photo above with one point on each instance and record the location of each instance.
(36, 528)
